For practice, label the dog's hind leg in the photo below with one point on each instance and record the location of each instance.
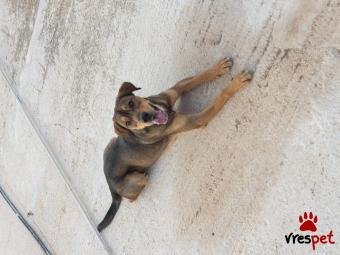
(184, 86)
(131, 185)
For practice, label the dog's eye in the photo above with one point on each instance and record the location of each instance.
(128, 123)
(131, 104)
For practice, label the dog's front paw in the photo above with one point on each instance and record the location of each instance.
(222, 67)
(243, 77)
(240, 80)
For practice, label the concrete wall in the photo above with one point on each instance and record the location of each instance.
(235, 187)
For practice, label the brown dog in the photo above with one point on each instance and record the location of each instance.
(145, 126)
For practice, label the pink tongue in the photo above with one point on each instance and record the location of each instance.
(160, 118)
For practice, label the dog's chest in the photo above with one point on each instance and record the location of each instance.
(144, 155)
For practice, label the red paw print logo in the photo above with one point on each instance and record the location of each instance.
(308, 222)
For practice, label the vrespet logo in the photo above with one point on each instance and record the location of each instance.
(308, 223)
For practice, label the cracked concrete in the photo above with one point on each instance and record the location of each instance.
(235, 187)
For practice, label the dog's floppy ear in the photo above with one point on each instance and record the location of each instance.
(126, 89)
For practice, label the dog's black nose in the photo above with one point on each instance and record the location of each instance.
(146, 117)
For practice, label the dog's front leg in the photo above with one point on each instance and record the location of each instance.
(183, 123)
(184, 86)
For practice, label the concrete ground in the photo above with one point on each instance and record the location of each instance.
(237, 186)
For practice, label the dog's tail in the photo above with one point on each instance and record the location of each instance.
(116, 199)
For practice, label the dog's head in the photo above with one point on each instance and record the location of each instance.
(134, 113)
